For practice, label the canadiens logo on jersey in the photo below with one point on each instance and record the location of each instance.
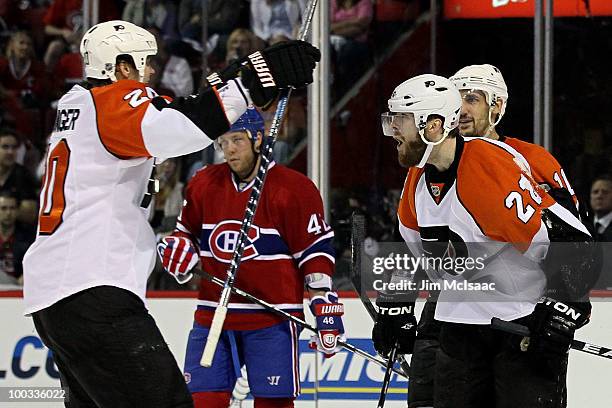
(223, 241)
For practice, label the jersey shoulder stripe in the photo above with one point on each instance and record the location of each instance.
(120, 108)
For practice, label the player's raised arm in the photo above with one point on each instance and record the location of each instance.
(160, 127)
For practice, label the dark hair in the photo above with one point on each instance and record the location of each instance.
(603, 177)
(9, 194)
(94, 82)
(4, 132)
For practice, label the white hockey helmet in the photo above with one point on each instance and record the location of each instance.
(423, 96)
(103, 42)
(485, 78)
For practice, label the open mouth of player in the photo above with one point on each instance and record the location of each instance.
(398, 140)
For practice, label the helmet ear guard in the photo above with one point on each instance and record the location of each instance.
(104, 42)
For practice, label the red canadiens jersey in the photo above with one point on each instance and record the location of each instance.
(545, 169)
(288, 240)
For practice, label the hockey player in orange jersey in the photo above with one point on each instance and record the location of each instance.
(477, 194)
(484, 101)
(85, 276)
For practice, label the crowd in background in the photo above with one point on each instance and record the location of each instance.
(40, 60)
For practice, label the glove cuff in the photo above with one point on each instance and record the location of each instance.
(328, 309)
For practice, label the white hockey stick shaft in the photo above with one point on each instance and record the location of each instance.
(266, 157)
(270, 307)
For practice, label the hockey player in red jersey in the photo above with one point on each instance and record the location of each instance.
(289, 247)
(460, 191)
(484, 100)
(85, 275)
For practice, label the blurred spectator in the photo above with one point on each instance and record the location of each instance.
(22, 86)
(17, 179)
(168, 201)
(601, 203)
(69, 69)
(223, 17)
(594, 159)
(276, 18)
(20, 72)
(160, 14)
(64, 20)
(292, 129)
(167, 204)
(172, 73)
(392, 17)
(350, 21)
(15, 239)
(240, 43)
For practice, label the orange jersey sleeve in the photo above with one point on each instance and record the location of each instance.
(406, 209)
(545, 169)
(120, 108)
(504, 201)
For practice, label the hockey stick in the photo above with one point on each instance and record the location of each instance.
(262, 171)
(520, 330)
(296, 320)
(387, 379)
(357, 238)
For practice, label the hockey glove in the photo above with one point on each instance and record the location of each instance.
(178, 256)
(553, 324)
(328, 314)
(264, 73)
(395, 325)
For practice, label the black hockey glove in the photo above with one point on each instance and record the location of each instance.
(553, 323)
(395, 323)
(264, 73)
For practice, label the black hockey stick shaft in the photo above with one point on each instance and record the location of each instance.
(520, 330)
(251, 209)
(357, 238)
(387, 380)
(271, 308)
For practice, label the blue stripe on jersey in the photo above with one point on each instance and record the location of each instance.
(325, 246)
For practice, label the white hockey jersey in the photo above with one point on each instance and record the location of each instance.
(488, 207)
(93, 227)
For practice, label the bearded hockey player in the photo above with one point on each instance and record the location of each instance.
(475, 196)
(85, 276)
(484, 101)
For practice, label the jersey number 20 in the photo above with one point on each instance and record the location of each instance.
(53, 200)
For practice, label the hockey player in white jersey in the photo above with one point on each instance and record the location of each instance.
(475, 197)
(85, 276)
(484, 101)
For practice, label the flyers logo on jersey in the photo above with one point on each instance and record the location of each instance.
(224, 239)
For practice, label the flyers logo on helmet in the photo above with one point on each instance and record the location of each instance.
(224, 239)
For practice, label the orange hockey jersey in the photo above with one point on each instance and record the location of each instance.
(488, 204)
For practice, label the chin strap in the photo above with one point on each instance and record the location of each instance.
(430, 146)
